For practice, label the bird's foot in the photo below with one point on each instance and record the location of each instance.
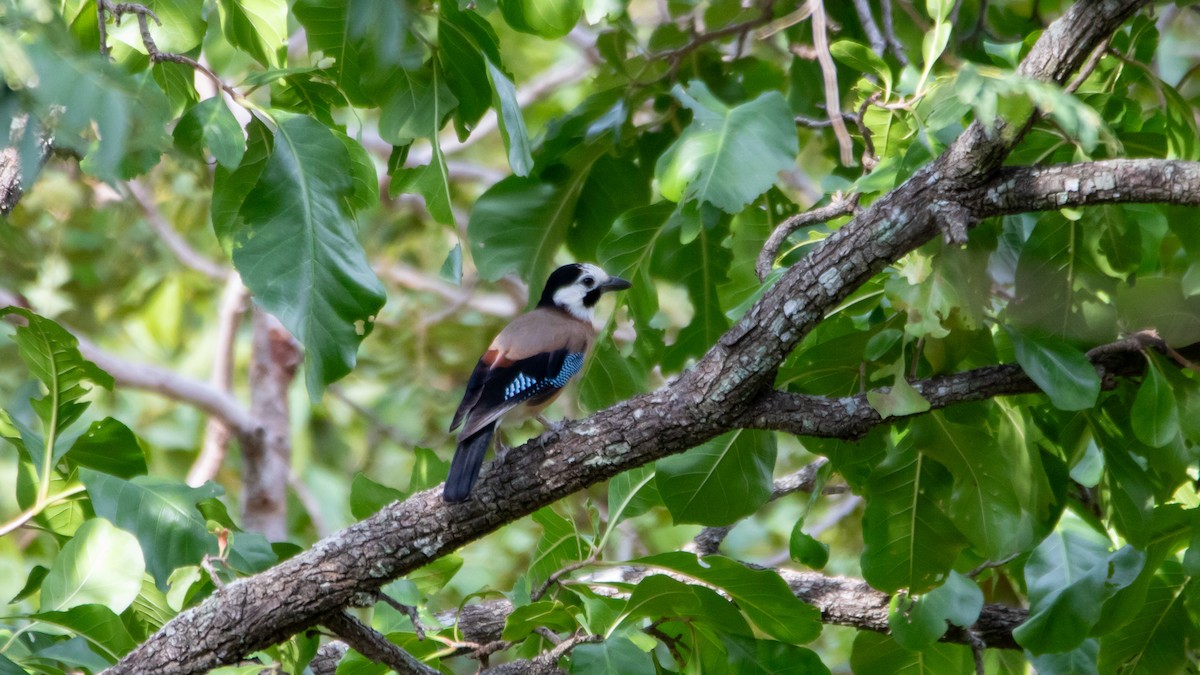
(500, 448)
(555, 427)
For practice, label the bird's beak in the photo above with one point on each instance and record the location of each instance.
(615, 284)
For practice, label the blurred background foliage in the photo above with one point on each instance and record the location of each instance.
(606, 145)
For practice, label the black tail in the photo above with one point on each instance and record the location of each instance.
(464, 468)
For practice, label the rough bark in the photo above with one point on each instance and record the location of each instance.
(267, 465)
(254, 613)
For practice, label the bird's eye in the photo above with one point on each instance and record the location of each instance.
(587, 282)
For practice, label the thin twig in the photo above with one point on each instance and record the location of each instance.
(829, 74)
(869, 159)
(559, 574)
(179, 246)
(216, 433)
(863, 8)
(840, 206)
(1088, 66)
(373, 645)
(889, 32)
(409, 611)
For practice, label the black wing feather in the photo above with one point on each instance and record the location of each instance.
(505, 387)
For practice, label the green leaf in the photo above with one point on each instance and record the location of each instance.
(720, 481)
(1155, 640)
(551, 614)
(512, 122)
(1155, 414)
(993, 500)
(631, 494)
(909, 542)
(98, 624)
(858, 56)
(1062, 371)
(747, 655)
(1069, 576)
(761, 593)
(367, 496)
(109, 446)
(559, 545)
(428, 470)
(701, 266)
(231, 187)
(257, 27)
(296, 248)
(466, 43)
(659, 596)
(433, 577)
(417, 108)
(210, 124)
(180, 28)
(917, 623)
(362, 173)
(899, 400)
(160, 512)
(876, 654)
(100, 565)
(370, 41)
(806, 550)
(549, 19)
(609, 377)
(727, 156)
(129, 113)
(614, 655)
(520, 223)
(52, 356)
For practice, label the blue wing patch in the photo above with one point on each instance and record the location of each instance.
(524, 387)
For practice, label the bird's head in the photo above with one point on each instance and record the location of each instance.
(576, 288)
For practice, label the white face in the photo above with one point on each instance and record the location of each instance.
(571, 297)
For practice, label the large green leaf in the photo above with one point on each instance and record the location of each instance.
(210, 124)
(1158, 302)
(550, 19)
(992, 502)
(1069, 576)
(614, 655)
(109, 446)
(917, 623)
(700, 266)
(721, 481)
(1059, 369)
(1155, 640)
(97, 624)
(627, 250)
(160, 512)
(371, 41)
(296, 248)
(876, 654)
(728, 156)
(52, 356)
(417, 108)
(631, 494)
(257, 27)
(760, 593)
(230, 187)
(90, 96)
(909, 541)
(512, 122)
(609, 377)
(100, 565)
(1155, 414)
(466, 45)
(520, 223)
(559, 545)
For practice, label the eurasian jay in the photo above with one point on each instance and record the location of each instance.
(527, 365)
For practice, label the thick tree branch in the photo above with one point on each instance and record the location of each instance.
(257, 612)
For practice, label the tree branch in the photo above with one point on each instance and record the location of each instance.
(725, 385)
(852, 417)
(179, 246)
(373, 645)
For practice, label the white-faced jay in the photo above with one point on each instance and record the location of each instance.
(527, 365)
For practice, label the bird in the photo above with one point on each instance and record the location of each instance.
(527, 365)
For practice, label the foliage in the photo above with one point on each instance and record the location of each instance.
(339, 161)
